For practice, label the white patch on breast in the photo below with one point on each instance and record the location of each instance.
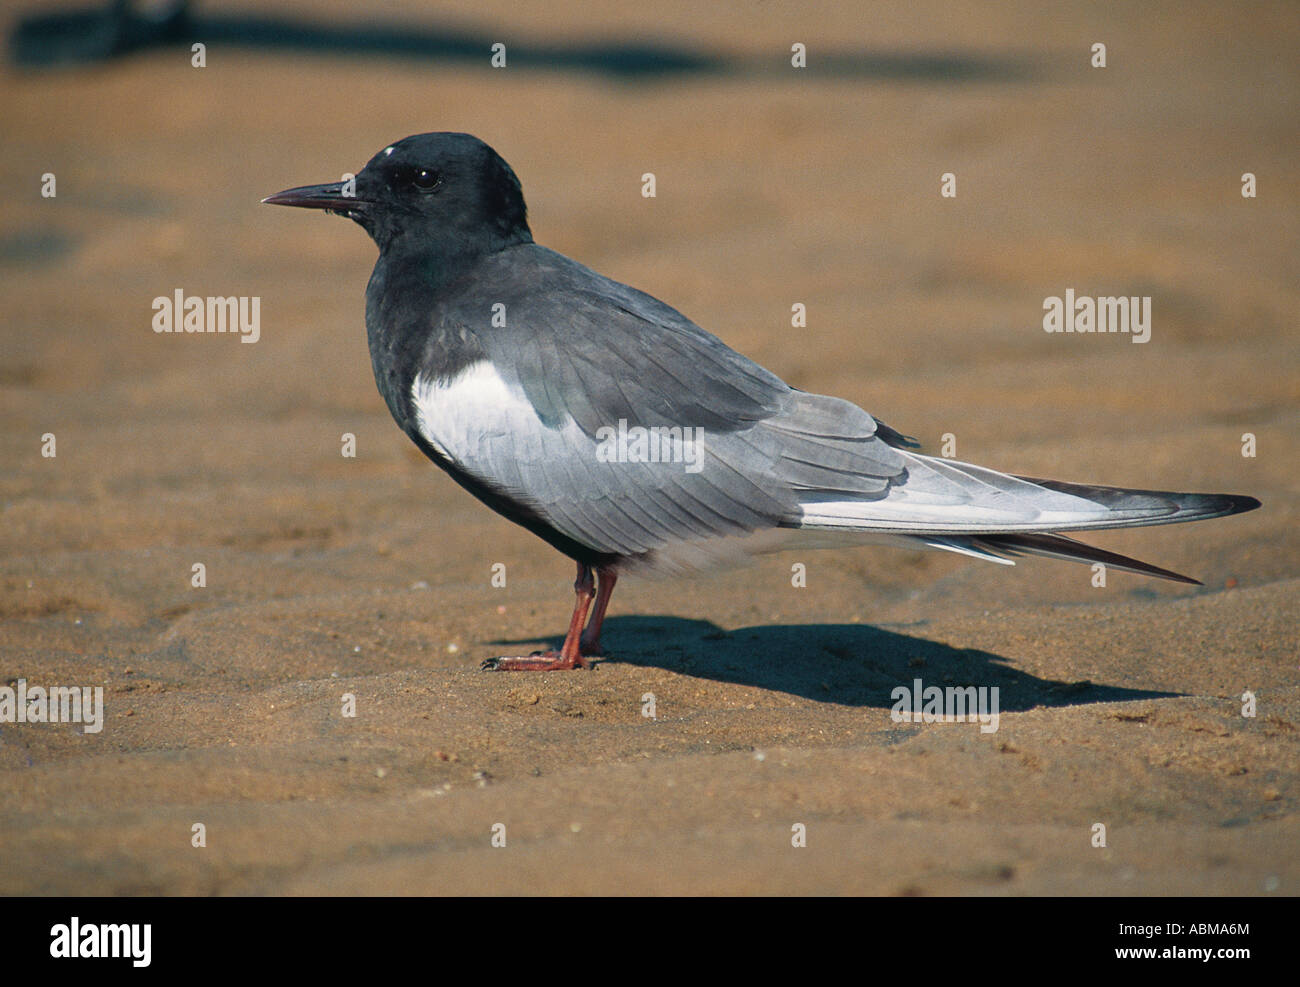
(460, 418)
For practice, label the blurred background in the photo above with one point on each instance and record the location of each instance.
(775, 185)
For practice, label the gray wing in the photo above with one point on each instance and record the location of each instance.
(587, 357)
(581, 356)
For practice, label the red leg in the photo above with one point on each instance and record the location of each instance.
(569, 655)
(589, 644)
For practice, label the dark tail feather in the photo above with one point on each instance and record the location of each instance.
(1059, 547)
(1126, 503)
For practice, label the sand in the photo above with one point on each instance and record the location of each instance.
(371, 576)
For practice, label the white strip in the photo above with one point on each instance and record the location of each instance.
(461, 417)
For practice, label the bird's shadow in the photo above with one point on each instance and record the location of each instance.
(848, 664)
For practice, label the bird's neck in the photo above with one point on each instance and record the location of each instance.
(407, 293)
(437, 265)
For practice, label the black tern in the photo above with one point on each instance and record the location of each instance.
(630, 439)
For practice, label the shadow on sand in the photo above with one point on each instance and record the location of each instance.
(849, 664)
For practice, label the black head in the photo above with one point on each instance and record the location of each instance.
(447, 192)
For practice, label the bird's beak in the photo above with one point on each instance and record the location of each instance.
(329, 197)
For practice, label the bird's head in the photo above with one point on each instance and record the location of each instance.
(444, 190)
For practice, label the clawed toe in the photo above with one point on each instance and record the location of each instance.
(538, 661)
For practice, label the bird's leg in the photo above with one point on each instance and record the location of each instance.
(570, 654)
(607, 576)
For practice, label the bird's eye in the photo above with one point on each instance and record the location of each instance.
(426, 180)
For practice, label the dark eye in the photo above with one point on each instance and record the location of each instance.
(426, 179)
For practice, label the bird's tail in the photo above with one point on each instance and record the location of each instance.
(1004, 548)
(996, 516)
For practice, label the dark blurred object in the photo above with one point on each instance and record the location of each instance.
(124, 26)
(92, 35)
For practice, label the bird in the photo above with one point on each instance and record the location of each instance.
(632, 440)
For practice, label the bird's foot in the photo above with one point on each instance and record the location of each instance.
(538, 661)
(590, 649)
